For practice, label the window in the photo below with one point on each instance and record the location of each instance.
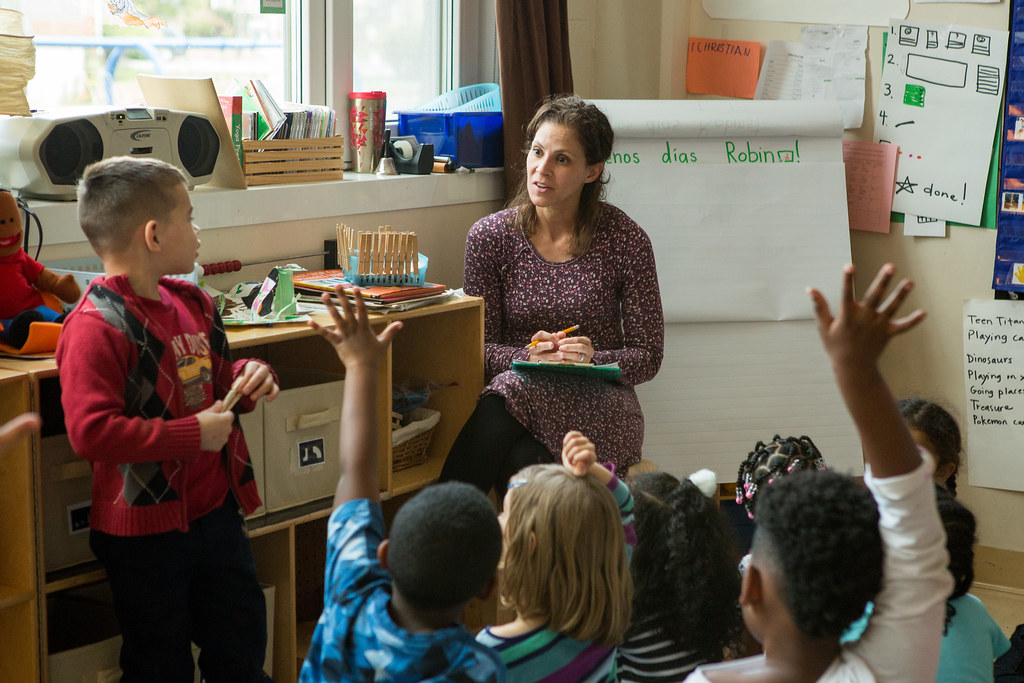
(88, 55)
(316, 53)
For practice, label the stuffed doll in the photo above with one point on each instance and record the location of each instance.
(22, 278)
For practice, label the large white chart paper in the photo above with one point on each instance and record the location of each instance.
(994, 386)
(745, 204)
(745, 201)
(939, 100)
(869, 12)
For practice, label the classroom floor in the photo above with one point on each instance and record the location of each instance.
(1006, 605)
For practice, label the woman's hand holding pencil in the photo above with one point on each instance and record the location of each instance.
(557, 347)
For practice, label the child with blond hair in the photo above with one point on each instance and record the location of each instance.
(568, 537)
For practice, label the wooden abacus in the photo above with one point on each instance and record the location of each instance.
(381, 257)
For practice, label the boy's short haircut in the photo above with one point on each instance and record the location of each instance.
(817, 532)
(118, 194)
(445, 546)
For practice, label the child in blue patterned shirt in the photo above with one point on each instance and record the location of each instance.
(391, 606)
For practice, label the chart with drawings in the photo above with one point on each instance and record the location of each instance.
(939, 100)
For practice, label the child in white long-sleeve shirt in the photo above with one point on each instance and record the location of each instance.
(821, 550)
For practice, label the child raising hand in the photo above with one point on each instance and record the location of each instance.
(568, 536)
(821, 549)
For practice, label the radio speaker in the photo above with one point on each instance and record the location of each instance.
(44, 155)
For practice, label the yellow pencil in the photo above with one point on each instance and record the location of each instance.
(565, 331)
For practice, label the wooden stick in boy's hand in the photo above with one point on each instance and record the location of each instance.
(854, 339)
(361, 351)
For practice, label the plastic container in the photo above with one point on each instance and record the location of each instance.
(465, 99)
(464, 123)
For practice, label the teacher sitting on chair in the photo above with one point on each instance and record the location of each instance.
(557, 258)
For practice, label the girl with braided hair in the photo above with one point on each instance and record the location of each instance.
(971, 639)
(685, 584)
(768, 462)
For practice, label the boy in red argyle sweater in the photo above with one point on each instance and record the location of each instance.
(144, 365)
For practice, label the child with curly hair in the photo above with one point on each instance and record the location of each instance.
(933, 427)
(823, 548)
(685, 583)
(568, 536)
(971, 639)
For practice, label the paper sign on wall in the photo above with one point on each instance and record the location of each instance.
(722, 67)
(941, 89)
(870, 167)
(994, 387)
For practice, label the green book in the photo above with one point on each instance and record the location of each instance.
(609, 371)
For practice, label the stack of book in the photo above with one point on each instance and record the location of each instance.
(310, 285)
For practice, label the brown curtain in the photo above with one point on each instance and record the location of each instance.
(533, 60)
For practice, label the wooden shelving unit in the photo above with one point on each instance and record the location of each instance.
(19, 595)
(443, 343)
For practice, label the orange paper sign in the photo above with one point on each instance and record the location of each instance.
(722, 67)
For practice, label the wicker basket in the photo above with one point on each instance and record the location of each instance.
(409, 443)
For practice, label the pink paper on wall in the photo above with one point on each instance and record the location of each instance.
(870, 178)
(722, 67)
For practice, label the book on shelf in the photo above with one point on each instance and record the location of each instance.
(231, 105)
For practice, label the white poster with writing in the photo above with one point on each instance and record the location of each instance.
(939, 99)
(994, 386)
(745, 204)
(744, 201)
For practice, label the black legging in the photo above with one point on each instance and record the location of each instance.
(491, 447)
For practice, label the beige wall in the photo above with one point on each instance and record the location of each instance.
(648, 62)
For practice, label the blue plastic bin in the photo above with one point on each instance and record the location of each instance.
(464, 123)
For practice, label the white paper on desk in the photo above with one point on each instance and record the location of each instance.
(723, 387)
(834, 68)
(993, 384)
(743, 216)
(782, 73)
(198, 95)
(869, 12)
(922, 226)
(939, 100)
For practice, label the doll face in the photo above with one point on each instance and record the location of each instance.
(10, 225)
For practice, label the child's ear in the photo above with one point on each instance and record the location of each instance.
(149, 234)
(944, 472)
(382, 554)
(752, 587)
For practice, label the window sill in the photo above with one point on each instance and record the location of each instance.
(358, 193)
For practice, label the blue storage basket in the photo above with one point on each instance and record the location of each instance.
(370, 280)
(464, 123)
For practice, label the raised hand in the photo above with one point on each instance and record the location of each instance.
(861, 329)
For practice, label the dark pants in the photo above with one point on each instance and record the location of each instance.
(492, 447)
(173, 588)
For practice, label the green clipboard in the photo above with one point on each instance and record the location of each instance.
(609, 371)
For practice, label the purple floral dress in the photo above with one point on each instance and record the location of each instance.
(610, 291)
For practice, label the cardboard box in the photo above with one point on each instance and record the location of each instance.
(67, 498)
(301, 432)
(252, 428)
